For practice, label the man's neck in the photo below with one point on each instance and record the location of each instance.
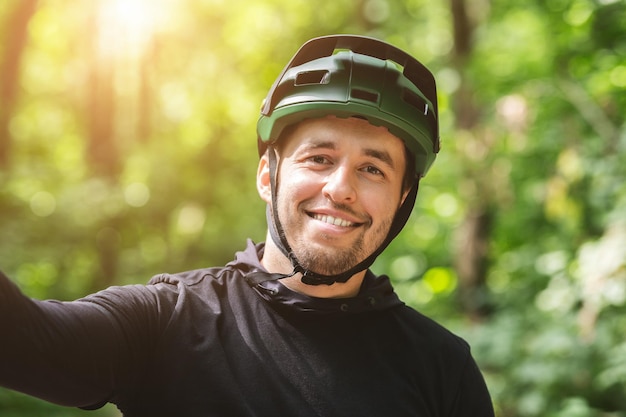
(274, 261)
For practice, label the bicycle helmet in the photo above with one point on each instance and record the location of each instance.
(348, 75)
(352, 76)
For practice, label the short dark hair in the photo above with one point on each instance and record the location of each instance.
(410, 173)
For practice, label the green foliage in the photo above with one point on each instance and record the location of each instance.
(13, 404)
(170, 185)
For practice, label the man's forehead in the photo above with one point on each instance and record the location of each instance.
(331, 125)
(332, 129)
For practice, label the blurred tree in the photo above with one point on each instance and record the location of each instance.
(474, 233)
(16, 23)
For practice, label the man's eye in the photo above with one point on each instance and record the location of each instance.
(318, 159)
(373, 170)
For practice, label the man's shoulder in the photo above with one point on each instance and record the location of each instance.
(422, 327)
(195, 277)
(245, 261)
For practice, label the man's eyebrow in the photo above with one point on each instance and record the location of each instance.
(381, 155)
(322, 144)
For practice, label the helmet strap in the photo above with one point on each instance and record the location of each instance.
(309, 277)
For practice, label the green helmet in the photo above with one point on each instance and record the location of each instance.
(356, 76)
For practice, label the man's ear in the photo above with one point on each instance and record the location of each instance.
(406, 192)
(404, 196)
(263, 183)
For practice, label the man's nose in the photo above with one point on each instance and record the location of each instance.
(340, 186)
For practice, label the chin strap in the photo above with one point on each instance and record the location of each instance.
(311, 277)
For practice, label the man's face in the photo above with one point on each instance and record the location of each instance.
(339, 186)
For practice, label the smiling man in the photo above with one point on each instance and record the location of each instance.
(297, 326)
(341, 183)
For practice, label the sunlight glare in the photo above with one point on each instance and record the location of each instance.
(128, 25)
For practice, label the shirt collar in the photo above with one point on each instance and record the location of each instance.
(376, 293)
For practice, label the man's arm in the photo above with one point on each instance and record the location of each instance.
(76, 353)
(473, 399)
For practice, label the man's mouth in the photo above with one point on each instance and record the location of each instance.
(336, 221)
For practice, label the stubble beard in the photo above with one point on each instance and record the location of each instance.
(330, 260)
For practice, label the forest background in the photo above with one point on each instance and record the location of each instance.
(127, 148)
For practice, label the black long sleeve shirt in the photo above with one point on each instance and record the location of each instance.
(228, 342)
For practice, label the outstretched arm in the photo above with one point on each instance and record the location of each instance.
(76, 353)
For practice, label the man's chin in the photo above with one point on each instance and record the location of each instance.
(333, 263)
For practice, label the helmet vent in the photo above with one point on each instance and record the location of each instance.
(312, 77)
(364, 95)
(415, 101)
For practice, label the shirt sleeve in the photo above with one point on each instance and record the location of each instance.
(473, 399)
(80, 353)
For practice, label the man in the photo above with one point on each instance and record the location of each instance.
(297, 326)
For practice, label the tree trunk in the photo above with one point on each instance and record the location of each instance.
(472, 237)
(102, 152)
(15, 37)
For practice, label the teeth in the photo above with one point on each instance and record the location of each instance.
(333, 220)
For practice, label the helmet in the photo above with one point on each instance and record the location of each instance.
(348, 75)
